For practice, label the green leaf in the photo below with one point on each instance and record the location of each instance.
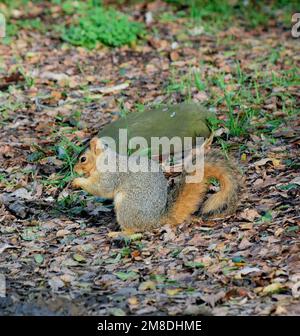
(79, 258)
(194, 264)
(288, 186)
(35, 156)
(135, 236)
(158, 278)
(113, 260)
(117, 312)
(292, 228)
(30, 234)
(228, 269)
(238, 260)
(273, 288)
(126, 276)
(38, 258)
(125, 252)
(176, 252)
(267, 217)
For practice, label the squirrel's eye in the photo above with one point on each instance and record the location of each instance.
(82, 159)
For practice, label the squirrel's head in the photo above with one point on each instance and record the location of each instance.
(87, 161)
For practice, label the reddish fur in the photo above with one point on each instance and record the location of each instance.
(89, 166)
(187, 203)
(192, 194)
(227, 188)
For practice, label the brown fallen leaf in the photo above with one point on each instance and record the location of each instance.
(173, 291)
(247, 270)
(133, 301)
(147, 285)
(296, 180)
(212, 299)
(57, 77)
(262, 162)
(56, 283)
(13, 79)
(174, 56)
(244, 244)
(110, 89)
(5, 246)
(296, 290)
(249, 214)
(200, 97)
(62, 233)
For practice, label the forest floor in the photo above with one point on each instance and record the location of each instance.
(55, 252)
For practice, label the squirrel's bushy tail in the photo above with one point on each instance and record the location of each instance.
(188, 196)
(226, 199)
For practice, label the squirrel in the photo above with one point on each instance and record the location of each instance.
(142, 200)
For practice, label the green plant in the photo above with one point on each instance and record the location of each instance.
(233, 123)
(28, 79)
(200, 85)
(66, 151)
(107, 26)
(73, 204)
(183, 84)
(14, 25)
(8, 107)
(217, 14)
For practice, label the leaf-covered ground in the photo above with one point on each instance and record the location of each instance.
(55, 251)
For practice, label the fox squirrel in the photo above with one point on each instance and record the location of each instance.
(142, 200)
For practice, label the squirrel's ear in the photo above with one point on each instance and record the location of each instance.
(95, 145)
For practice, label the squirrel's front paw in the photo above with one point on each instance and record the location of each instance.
(77, 183)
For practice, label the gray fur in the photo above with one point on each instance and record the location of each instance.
(139, 205)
